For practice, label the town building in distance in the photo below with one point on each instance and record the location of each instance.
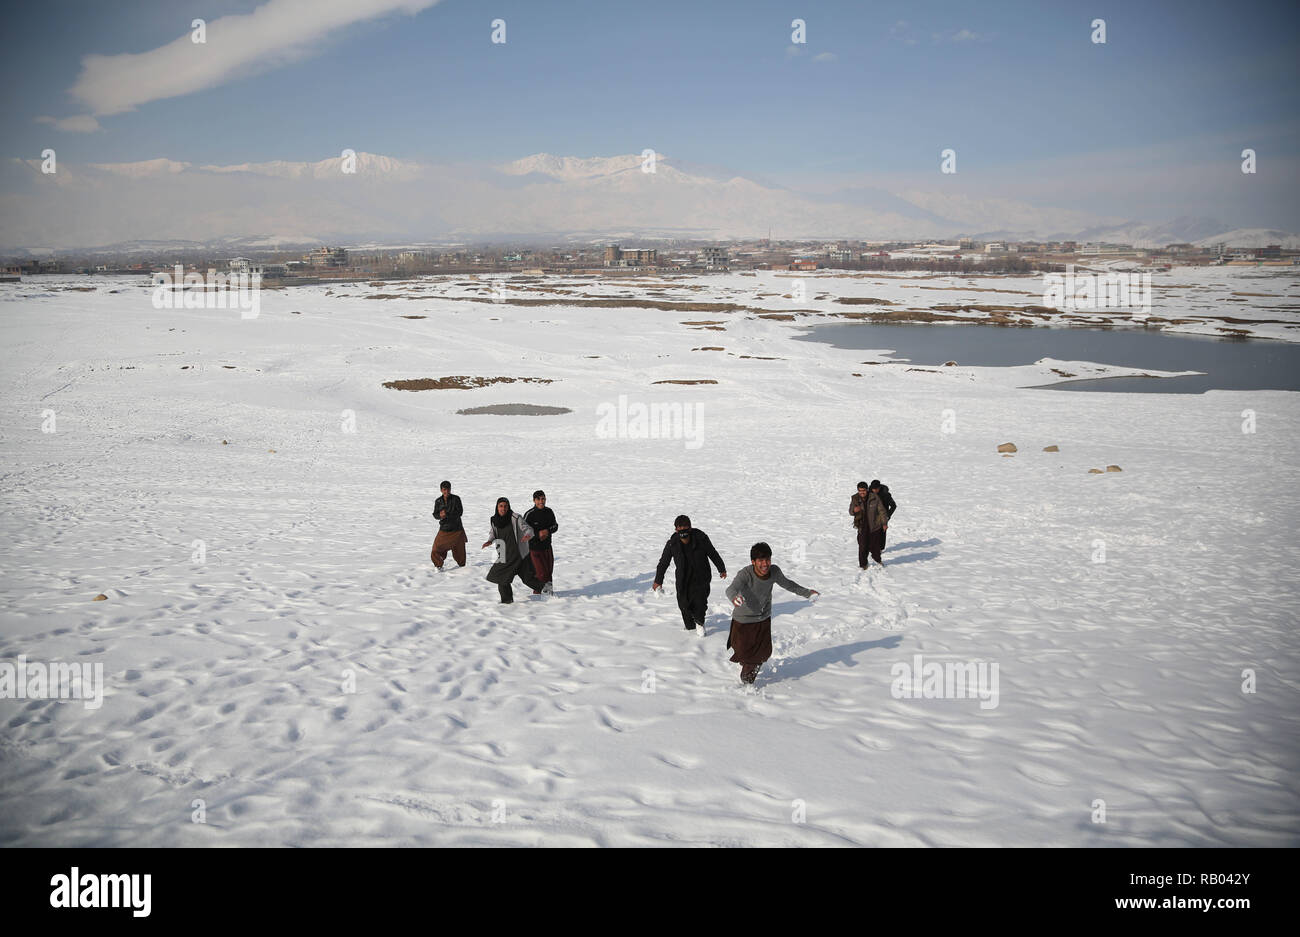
(615, 256)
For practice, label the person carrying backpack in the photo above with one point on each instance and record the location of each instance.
(876, 512)
(885, 496)
(874, 504)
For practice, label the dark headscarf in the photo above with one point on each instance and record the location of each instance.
(498, 521)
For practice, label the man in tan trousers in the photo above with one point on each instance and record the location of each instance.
(451, 532)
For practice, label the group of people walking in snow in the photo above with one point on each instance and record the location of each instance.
(524, 549)
(871, 507)
(523, 543)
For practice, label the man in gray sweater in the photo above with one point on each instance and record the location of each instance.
(751, 624)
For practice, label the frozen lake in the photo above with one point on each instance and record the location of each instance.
(1229, 364)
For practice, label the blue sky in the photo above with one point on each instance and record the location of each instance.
(1019, 90)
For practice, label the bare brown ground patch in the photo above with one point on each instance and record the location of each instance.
(460, 382)
(704, 381)
(1238, 321)
(978, 289)
(902, 315)
(617, 303)
(975, 307)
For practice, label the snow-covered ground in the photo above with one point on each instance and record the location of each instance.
(593, 718)
(1258, 302)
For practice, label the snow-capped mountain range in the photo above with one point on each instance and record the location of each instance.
(368, 197)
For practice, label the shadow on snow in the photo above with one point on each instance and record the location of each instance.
(612, 586)
(932, 542)
(796, 667)
(913, 558)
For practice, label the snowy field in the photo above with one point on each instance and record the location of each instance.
(1248, 301)
(592, 717)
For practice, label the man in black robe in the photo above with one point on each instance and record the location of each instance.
(691, 550)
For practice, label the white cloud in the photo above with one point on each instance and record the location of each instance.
(825, 57)
(960, 35)
(899, 33)
(277, 32)
(80, 123)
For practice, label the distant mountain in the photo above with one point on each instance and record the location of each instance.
(142, 169)
(151, 247)
(1179, 231)
(1014, 220)
(542, 196)
(571, 168)
(1252, 237)
(366, 165)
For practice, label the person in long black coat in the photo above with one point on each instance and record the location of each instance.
(691, 550)
(509, 529)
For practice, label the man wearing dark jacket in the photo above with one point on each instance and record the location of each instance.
(451, 532)
(542, 520)
(871, 507)
(691, 550)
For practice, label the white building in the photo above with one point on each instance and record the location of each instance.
(242, 265)
(713, 258)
